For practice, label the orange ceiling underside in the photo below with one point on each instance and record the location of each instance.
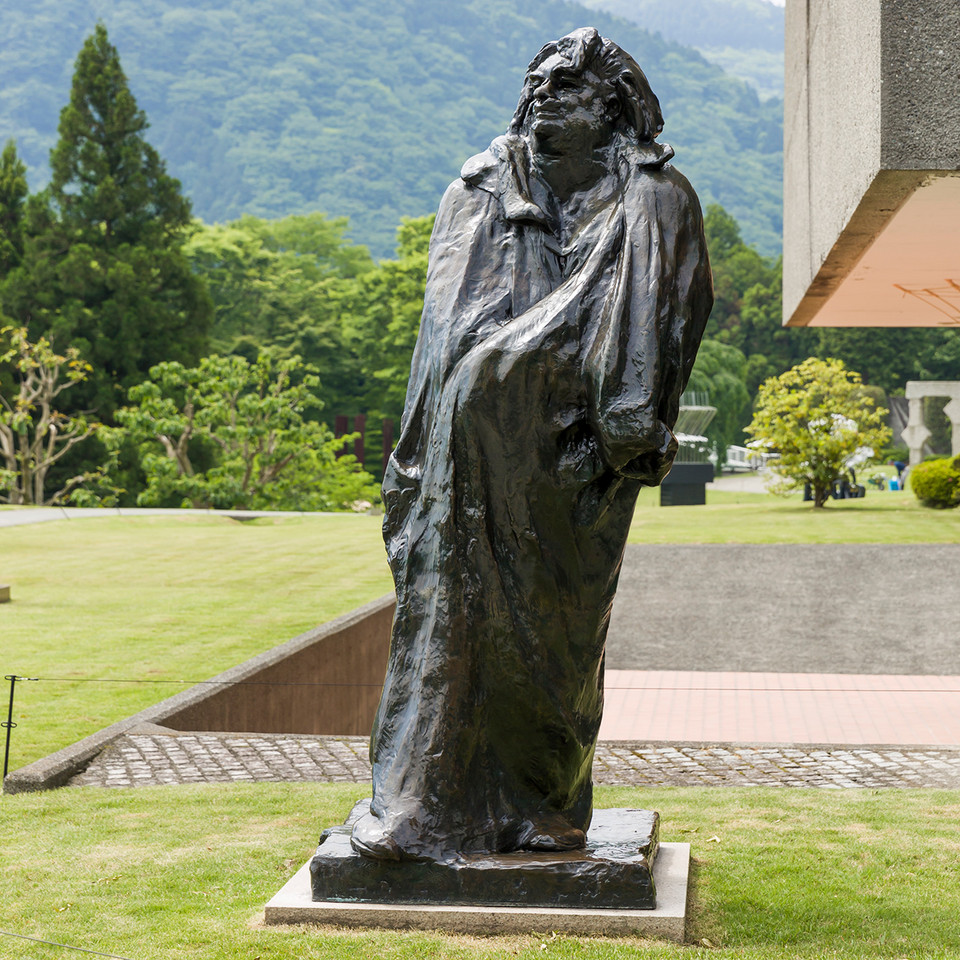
(910, 275)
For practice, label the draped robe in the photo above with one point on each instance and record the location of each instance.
(544, 386)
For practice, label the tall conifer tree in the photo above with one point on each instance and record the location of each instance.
(13, 194)
(105, 268)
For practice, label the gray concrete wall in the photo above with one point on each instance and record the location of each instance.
(921, 67)
(327, 681)
(832, 128)
(855, 608)
(793, 608)
(871, 112)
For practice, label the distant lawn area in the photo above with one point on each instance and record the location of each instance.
(171, 873)
(728, 517)
(185, 597)
(163, 598)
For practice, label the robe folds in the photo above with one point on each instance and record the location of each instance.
(544, 386)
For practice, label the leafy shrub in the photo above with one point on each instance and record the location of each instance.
(936, 483)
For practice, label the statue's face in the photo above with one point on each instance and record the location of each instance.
(570, 111)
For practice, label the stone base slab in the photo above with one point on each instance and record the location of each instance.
(613, 871)
(294, 904)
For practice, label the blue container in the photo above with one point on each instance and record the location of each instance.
(894, 484)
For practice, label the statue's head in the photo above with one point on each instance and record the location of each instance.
(589, 79)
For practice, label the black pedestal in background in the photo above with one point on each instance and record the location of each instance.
(685, 484)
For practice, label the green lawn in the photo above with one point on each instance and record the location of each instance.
(184, 872)
(763, 518)
(161, 598)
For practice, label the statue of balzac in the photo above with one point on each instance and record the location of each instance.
(567, 291)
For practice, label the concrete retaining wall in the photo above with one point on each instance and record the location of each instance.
(326, 681)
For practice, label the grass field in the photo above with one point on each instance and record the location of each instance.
(160, 598)
(184, 872)
(731, 517)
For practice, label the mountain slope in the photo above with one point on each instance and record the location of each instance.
(364, 108)
(748, 24)
(744, 37)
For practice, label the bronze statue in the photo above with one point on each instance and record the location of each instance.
(567, 291)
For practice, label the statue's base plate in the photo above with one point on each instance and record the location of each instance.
(577, 875)
(294, 903)
(614, 871)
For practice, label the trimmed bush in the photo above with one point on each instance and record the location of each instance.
(936, 483)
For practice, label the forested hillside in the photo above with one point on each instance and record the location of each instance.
(361, 108)
(745, 37)
(749, 24)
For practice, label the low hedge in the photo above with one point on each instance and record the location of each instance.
(936, 483)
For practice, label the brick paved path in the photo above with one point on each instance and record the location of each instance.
(146, 759)
(696, 706)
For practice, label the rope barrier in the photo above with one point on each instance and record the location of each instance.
(65, 946)
(13, 679)
(197, 683)
(606, 686)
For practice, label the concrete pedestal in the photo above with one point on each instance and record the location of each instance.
(606, 889)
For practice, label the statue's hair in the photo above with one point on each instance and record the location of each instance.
(585, 48)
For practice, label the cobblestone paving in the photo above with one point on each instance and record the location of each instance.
(137, 760)
(732, 765)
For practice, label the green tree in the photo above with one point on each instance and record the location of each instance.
(720, 372)
(748, 306)
(380, 319)
(721, 231)
(736, 268)
(284, 285)
(889, 357)
(815, 418)
(34, 434)
(384, 326)
(13, 195)
(233, 434)
(103, 269)
(297, 286)
(319, 240)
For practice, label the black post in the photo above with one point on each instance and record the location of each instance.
(341, 425)
(9, 725)
(387, 442)
(360, 426)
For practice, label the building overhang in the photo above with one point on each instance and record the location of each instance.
(872, 164)
(897, 261)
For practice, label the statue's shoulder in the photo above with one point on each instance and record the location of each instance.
(483, 170)
(462, 200)
(651, 172)
(507, 158)
(473, 196)
(480, 168)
